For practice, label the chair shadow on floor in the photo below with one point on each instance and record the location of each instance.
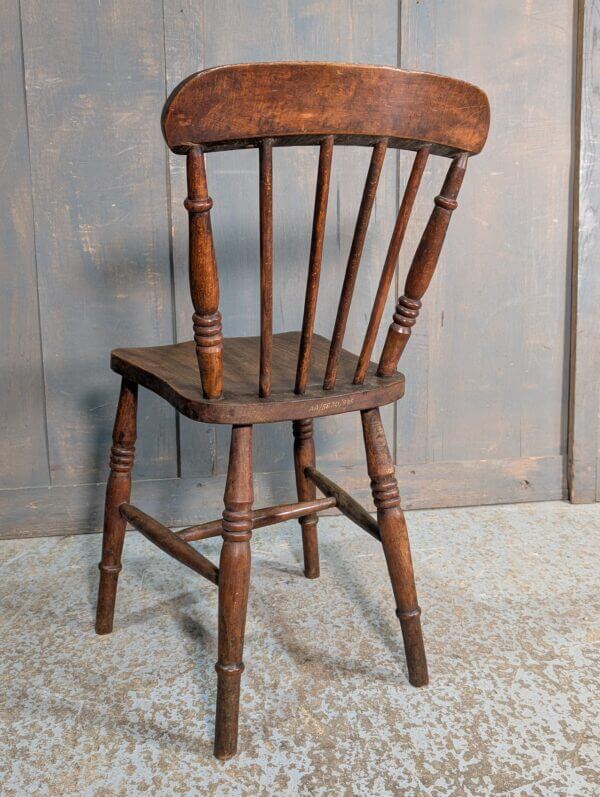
(194, 612)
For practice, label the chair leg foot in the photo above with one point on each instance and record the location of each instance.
(118, 491)
(396, 547)
(234, 584)
(107, 596)
(412, 635)
(228, 706)
(310, 546)
(304, 456)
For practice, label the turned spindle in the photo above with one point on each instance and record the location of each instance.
(422, 269)
(396, 547)
(304, 456)
(234, 582)
(118, 491)
(204, 280)
(314, 263)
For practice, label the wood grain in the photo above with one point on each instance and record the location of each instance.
(266, 266)
(171, 371)
(410, 109)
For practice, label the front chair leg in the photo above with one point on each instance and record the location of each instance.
(396, 547)
(304, 456)
(118, 491)
(234, 582)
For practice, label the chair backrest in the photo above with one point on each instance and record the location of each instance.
(289, 104)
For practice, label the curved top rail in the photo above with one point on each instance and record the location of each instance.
(230, 107)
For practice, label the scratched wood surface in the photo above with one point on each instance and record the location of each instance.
(93, 249)
(488, 369)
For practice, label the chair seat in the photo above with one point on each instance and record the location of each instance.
(172, 372)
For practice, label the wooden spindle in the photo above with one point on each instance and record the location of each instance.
(422, 268)
(344, 502)
(204, 280)
(314, 265)
(118, 490)
(234, 584)
(389, 265)
(267, 516)
(358, 241)
(169, 542)
(394, 539)
(266, 266)
(304, 456)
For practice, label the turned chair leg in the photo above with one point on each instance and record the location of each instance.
(234, 582)
(394, 537)
(118, 491)
(304, 456)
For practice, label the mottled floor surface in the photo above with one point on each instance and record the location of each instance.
(510, 600)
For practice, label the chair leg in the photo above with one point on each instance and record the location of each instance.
(394, 536)
(118, 491)
(234, 582)
(304, 455)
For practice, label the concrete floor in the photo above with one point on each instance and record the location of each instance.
(509, 595)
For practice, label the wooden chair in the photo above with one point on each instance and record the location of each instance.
(295, 376)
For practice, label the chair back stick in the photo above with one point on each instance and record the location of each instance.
(391, 261)
(266, 266)
(314, 265)
(422, 268)
(356, 249)
(204, 279)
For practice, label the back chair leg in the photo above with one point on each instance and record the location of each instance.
(118, 491)
(234, 583)
(304, 456)
(394, 537)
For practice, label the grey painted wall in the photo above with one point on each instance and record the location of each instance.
(93, 249)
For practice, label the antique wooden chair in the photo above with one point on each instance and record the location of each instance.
(295, 376)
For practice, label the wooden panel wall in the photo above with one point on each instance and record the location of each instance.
(24, 459)
(489, 364)
(584, 438)
(93, 246)
(94, 78)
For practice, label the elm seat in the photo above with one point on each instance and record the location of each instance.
(172, 372)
